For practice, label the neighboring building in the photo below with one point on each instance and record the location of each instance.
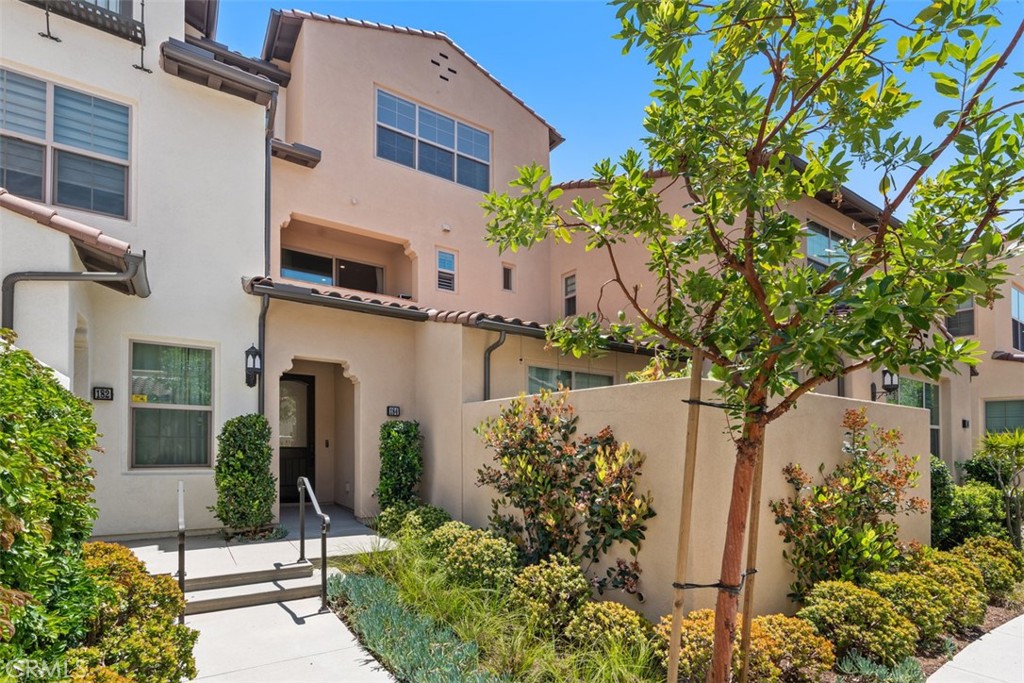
(101, 147)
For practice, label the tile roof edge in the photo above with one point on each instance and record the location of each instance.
(556, 138)
(48, 216)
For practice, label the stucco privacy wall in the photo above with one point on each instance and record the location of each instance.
(652, 418)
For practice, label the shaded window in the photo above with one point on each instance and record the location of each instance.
(62, 146)
(961, 324)
(297, 265)
(171, 405)
(446, 270)
(506, 278)
(918, 394)
(538, 378)
(1017, 318)
(824, 247)
(1004, 416)
(569, 295)
(421, 138)
(361, 276)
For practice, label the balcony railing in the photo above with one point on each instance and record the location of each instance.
(91, 14)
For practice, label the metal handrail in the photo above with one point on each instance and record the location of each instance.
(181, 545)
(325, 527)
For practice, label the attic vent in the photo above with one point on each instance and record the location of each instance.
(435, 62)
(452, 71)
(443, 77)
(443, 55)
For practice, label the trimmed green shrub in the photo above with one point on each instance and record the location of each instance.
(424, 520)
(401, 462)
(846, 527)
(864, 670)
(550, 592)
(1000, 462)
(942, 504)
(389, 522)
(782, 649)
(479, 558)
(135, 633)
(859, 619)
(246, 488)
(1001, 565)
(46, 509)
(605, 623)
(961, 580)
(416, 648)
(978, 510)
(925, 602)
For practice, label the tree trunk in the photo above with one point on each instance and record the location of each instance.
(747, 450)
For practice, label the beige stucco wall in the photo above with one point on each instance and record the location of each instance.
(196, 186)
(331, 105)
(652, 418)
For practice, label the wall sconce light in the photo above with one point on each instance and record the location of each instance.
(965, 423)
(253, 365)
(890, 383)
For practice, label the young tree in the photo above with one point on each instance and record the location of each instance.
(789, 96)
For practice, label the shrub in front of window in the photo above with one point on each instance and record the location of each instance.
(845, 528)
(1001, 565)
(246, 488)
(401, 462)
(859, 619)
(46, 511)
(135, 633)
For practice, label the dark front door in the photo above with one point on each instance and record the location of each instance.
(298, 436)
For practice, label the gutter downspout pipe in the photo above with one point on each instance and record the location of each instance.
(487, 363)
(261, 333)
(44, 276)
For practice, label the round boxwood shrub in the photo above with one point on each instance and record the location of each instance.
(550, 592)
(1001, 565)
(960, 579)
(423, 520)
(443, 537)
(859, 619)
(246, 488)
(782, 649)
(921, 599)
(389, 522)
(605, 623)
(481, 559)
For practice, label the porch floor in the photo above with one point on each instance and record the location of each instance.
(213, 555)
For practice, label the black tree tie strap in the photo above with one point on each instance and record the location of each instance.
(731, 590)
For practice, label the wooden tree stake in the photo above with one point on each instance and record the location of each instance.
(748, 590)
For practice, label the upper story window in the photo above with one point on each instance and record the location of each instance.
(962, 323)
(1017, 317)
(569, 295)
(331, 271)
(824, 247)
(446, 270)
(423, 139)
(507, 280)
(62, 146)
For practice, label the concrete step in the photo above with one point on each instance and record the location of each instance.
(246, 595)
(298, 570)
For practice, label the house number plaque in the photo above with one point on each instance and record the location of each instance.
(103, 393)
(394, 411)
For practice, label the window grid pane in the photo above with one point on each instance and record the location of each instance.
(396, 147)
(90, 123)
(168, 437)
(173, 375)
(436, 161)
(22, 104)
(1004, 416)
(437, 128)
(474, 174)
(475, 143)
(21, 167)
(396, 112)
(90, 184)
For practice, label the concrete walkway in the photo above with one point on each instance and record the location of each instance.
(996, 657)
(276, 643)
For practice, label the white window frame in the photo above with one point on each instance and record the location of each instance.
(566, 295)
(439, 270)
(145, 405)
(1017, 317)
(834, 237)
(966, 306)
(573, 373)
(418, 138)
(51, 147)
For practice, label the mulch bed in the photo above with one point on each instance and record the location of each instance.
(994, 617)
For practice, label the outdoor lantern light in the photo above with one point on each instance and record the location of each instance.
(253, 365)
(890, 383)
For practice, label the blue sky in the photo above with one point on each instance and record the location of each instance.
(558, 56)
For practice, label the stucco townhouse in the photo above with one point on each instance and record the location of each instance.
(189, 234)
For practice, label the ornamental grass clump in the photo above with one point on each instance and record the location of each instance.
(782, 649)
(925, 602)
(1001, 565)
(607, 623)
(550, 592)
(859, 619)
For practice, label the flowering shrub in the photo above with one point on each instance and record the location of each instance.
(607, 622)
(574, 498)
(410, 518)
(550, 592)
(782, 649)
(479, 558)
(860, 619)
(844, 528)
(443, 537)
(925, 602)
(959, 578)
(1001, 565)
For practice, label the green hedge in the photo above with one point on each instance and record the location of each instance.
(401, 462)
(246, 488)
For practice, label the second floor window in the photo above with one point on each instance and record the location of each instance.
(569, 295)
(962, 324)
(63, 147)
(332, 271)
(423, 139)
(824, 247)
(445, 270)
(1017, 317)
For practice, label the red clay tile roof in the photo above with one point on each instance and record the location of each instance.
(48, 216)
(555, 138)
